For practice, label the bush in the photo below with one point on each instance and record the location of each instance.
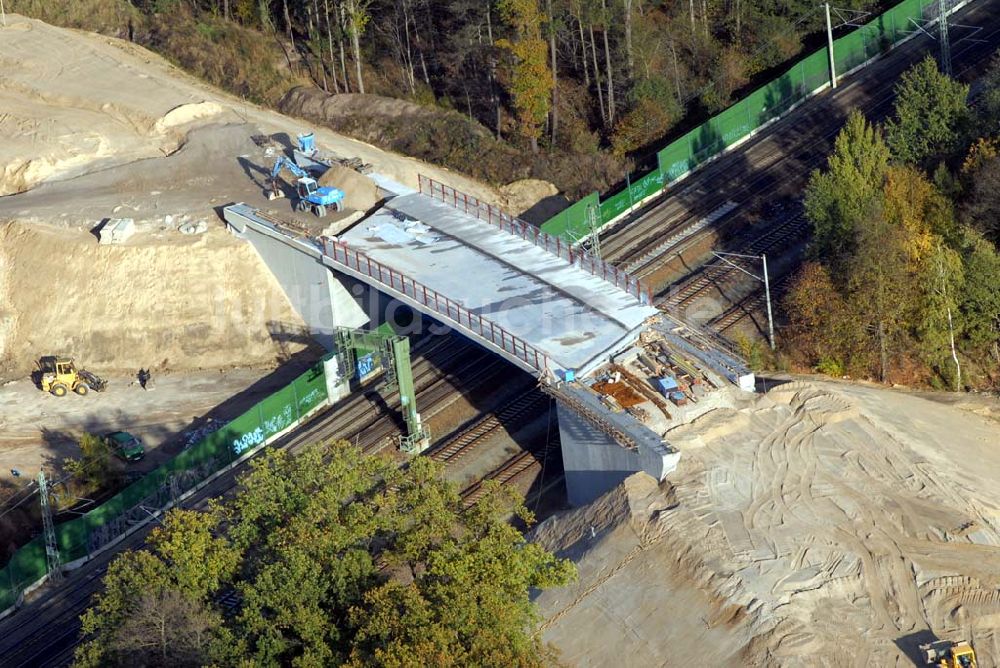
(645, 123)
(108, 17)
(96, 468)
(831, 367)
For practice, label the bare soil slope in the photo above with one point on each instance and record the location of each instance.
(822, 524)
(163, 301)
(72, 102)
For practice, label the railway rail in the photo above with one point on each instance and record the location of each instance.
(520, 466)
(752, 305)
(26, 642)
(468, 437)
(792, 229)
(767, 163)
(746, 296)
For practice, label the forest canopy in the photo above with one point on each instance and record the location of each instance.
(329, 557)
(605, 80)
(903, 284)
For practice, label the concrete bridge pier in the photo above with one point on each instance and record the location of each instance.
(323, 299)
(595, 463)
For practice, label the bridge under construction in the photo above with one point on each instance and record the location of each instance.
(621, 371)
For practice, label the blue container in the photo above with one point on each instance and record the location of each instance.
(307, 142)
(667, 384)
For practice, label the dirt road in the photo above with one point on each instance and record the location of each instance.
(73, 102)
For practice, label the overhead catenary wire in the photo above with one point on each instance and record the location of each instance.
(33, 489)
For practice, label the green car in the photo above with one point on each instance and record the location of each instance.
(125, 445)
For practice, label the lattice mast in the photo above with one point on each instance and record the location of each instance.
(52, 559)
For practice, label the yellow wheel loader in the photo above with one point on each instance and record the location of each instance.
(59, 376)
(948, 654)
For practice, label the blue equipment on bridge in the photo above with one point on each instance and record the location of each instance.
(310, 194)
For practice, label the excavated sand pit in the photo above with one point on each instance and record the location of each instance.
(164, 300)
(823, 524)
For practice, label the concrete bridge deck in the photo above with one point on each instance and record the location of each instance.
(572, 317)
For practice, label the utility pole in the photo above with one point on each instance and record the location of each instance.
(763, 279)
(3, 14)
(945, 42)
(767, 294)
(52, 560)
(829, 48)
(595, 237)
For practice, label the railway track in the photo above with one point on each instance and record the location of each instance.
(792, 229)
(519, 466)
(766, 163)
(467, 438)
(530, 461)
(26, 642)
(748, 307)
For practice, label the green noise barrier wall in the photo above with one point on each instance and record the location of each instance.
(768, 102)
(85, 535)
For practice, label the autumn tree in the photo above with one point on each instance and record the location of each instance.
(930, 116)
(914, 204)
(95, 467)
(332, 557)
(529, 79)
(156, 607)
(820, 329)
(839, 199)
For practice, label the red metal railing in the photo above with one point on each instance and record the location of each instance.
(448, 309)
(555, 245)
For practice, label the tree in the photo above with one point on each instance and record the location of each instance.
(654, 110)
(881, 290)
(356, 12)
(155, 609)
(166, 629)
(988, 106)
(530, 80)
(819, 326)
(838, 199)
(937, 325)
(980, 297)
(432, 620)
(912, 203)
(930, 115)
(334, 557)
(982, 208)
(645, 122)
(95, 468)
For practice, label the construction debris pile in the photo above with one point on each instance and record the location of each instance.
(657, 383)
